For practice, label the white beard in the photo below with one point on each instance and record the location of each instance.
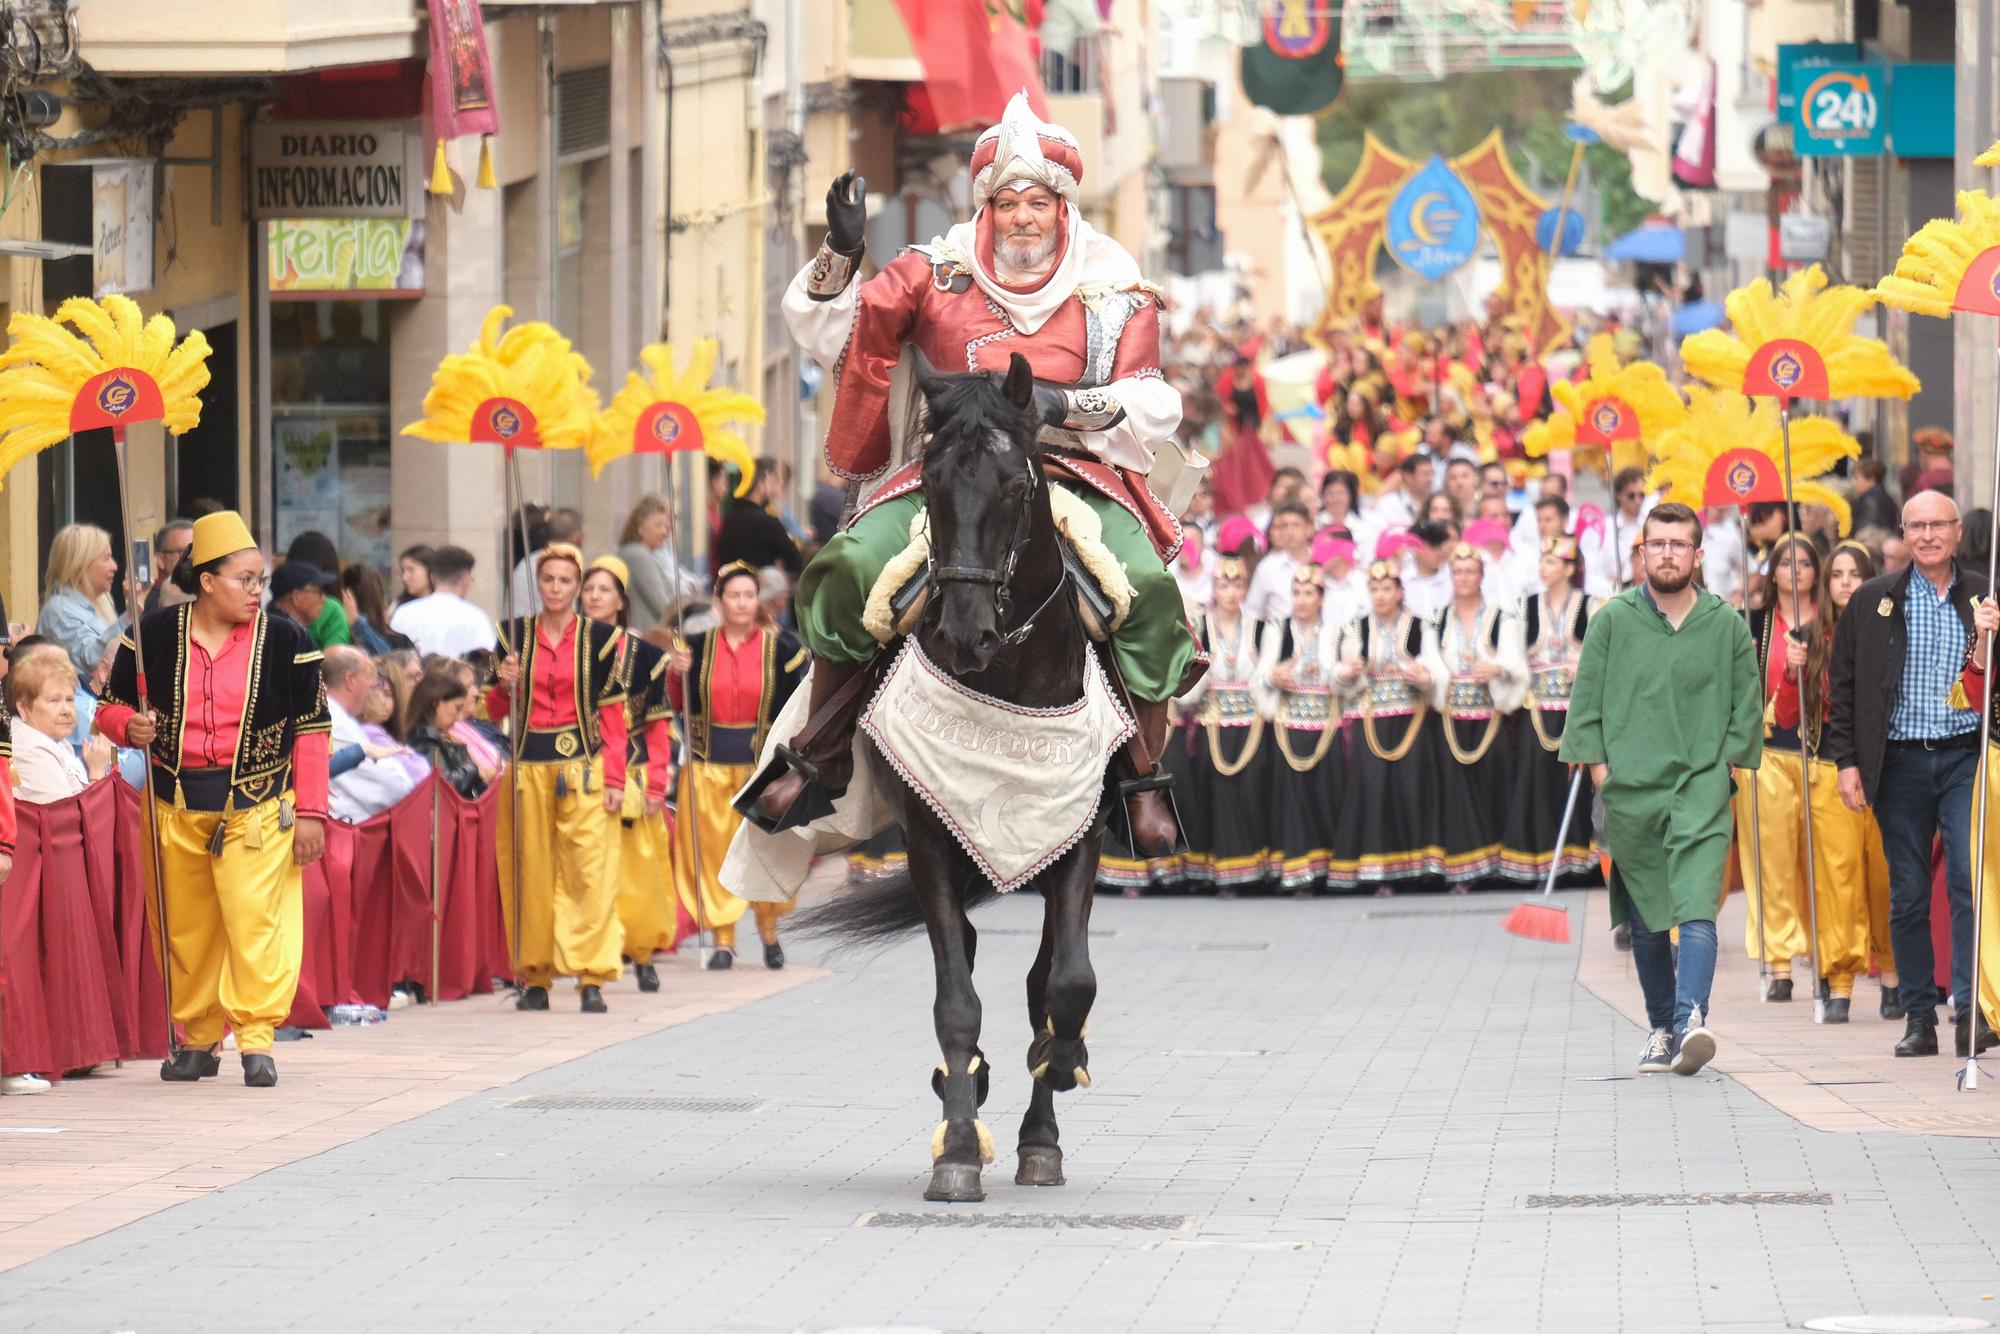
(1026, 258)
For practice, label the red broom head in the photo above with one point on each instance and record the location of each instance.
(1537, 920)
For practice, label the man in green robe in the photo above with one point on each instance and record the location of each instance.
(1667, 702)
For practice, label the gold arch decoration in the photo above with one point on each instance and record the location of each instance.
(1350, 229)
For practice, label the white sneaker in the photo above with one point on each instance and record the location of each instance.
(1694, 1047)
(23, 1084)
(1657, 1058)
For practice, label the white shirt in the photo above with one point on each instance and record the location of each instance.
(1270, 595)
(1345, 599)
(444, 623)
(370, 787)
(1198, 584)
(1722, 558)
(1424, 595)
(1390, 509)
(45, 769)
(1608, 559)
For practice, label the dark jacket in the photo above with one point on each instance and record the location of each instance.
(1875, 508)
(1868, 649)
(757, 537)
(449, 758)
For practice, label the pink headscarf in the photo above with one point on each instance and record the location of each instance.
(1394, 542)
(1487, 532)
(1327, 547)
(1236, 530)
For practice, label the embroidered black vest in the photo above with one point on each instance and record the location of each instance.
(284, 697)
(596, 683)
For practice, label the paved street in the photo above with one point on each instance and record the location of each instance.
(1324, 1115)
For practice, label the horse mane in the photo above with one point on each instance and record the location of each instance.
(966, 408)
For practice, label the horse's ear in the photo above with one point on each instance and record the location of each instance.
(927, 377)
(1020, 382)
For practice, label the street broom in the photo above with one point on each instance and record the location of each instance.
(1541, 917)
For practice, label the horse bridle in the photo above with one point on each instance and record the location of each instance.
(1001, 579)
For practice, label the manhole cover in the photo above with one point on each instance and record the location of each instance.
(1104, 1222)
(1218, 946)
(618, 1102)
(1385, 914)
(1678, 1199)
(1895, 1324)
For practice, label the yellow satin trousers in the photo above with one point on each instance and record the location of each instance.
(235, 923)
(568, 915)
(705, 813)
(645, 876)
(1842, 842)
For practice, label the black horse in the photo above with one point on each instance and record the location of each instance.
(1002, 619)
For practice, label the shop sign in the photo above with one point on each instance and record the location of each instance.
(104, 208)
(336, 169)
(345, 257)
(1835, 107)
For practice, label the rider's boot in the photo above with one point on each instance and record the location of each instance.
(829, 752)
(1154, 833)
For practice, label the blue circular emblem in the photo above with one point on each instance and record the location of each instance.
(116, 395)
(666, 428)
(1607, 418)
(506, 422)
(1741, 478)
(1786, 370)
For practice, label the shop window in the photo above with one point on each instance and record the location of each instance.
(330, 427)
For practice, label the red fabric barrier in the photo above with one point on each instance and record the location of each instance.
(1940, 918)
(79, 982)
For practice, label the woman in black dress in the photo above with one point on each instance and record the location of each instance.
(1305, 776)
(1552, 626)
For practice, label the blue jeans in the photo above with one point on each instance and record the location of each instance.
(1922, 793)
(1674, 991)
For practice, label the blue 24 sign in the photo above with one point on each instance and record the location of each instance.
(1836, 110)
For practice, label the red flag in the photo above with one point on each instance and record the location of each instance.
(976, 54)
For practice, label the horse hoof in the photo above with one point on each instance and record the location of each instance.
(1041, 1165)
(954, 1183)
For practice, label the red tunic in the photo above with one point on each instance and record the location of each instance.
(736, 682)
(552, 699)
(964, 331)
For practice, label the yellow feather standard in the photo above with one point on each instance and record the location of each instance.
(1721, 420)
(1654, 405)
(1931, 271)
(531, 365)
(50, 363)
(670, 411)
(1808, 310)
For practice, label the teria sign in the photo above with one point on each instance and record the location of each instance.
(336, 169)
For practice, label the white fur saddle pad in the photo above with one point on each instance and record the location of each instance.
(1017, 787)
(1075, 520)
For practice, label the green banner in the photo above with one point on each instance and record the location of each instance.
(1296, 70)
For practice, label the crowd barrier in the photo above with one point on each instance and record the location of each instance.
(79, 978)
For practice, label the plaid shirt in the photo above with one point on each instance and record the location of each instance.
(1932, 661)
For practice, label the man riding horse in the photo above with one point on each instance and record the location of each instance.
(1026, 275)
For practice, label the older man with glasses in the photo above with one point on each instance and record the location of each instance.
(1903, 747)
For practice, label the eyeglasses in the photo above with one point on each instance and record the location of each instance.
(252, 583)
(174, 554)
(381, 683)
(1669, 546)
(1925, 527)
(1632, 495)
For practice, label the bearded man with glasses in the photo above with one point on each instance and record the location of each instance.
(1903, 746)
(1667, 704)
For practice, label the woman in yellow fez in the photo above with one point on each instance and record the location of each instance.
(236, 727)
(570, 787)
(642, 864)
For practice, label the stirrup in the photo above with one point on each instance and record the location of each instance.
(813, 802)
(1119, 820)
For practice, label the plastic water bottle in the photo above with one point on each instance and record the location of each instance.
(342, 1016)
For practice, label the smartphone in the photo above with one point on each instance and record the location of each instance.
(142, 560)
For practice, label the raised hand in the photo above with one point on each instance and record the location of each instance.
(847, 213)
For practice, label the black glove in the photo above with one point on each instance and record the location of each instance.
(1051, 403)
(847, 214)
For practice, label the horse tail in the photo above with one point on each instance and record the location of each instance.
(876, 910)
